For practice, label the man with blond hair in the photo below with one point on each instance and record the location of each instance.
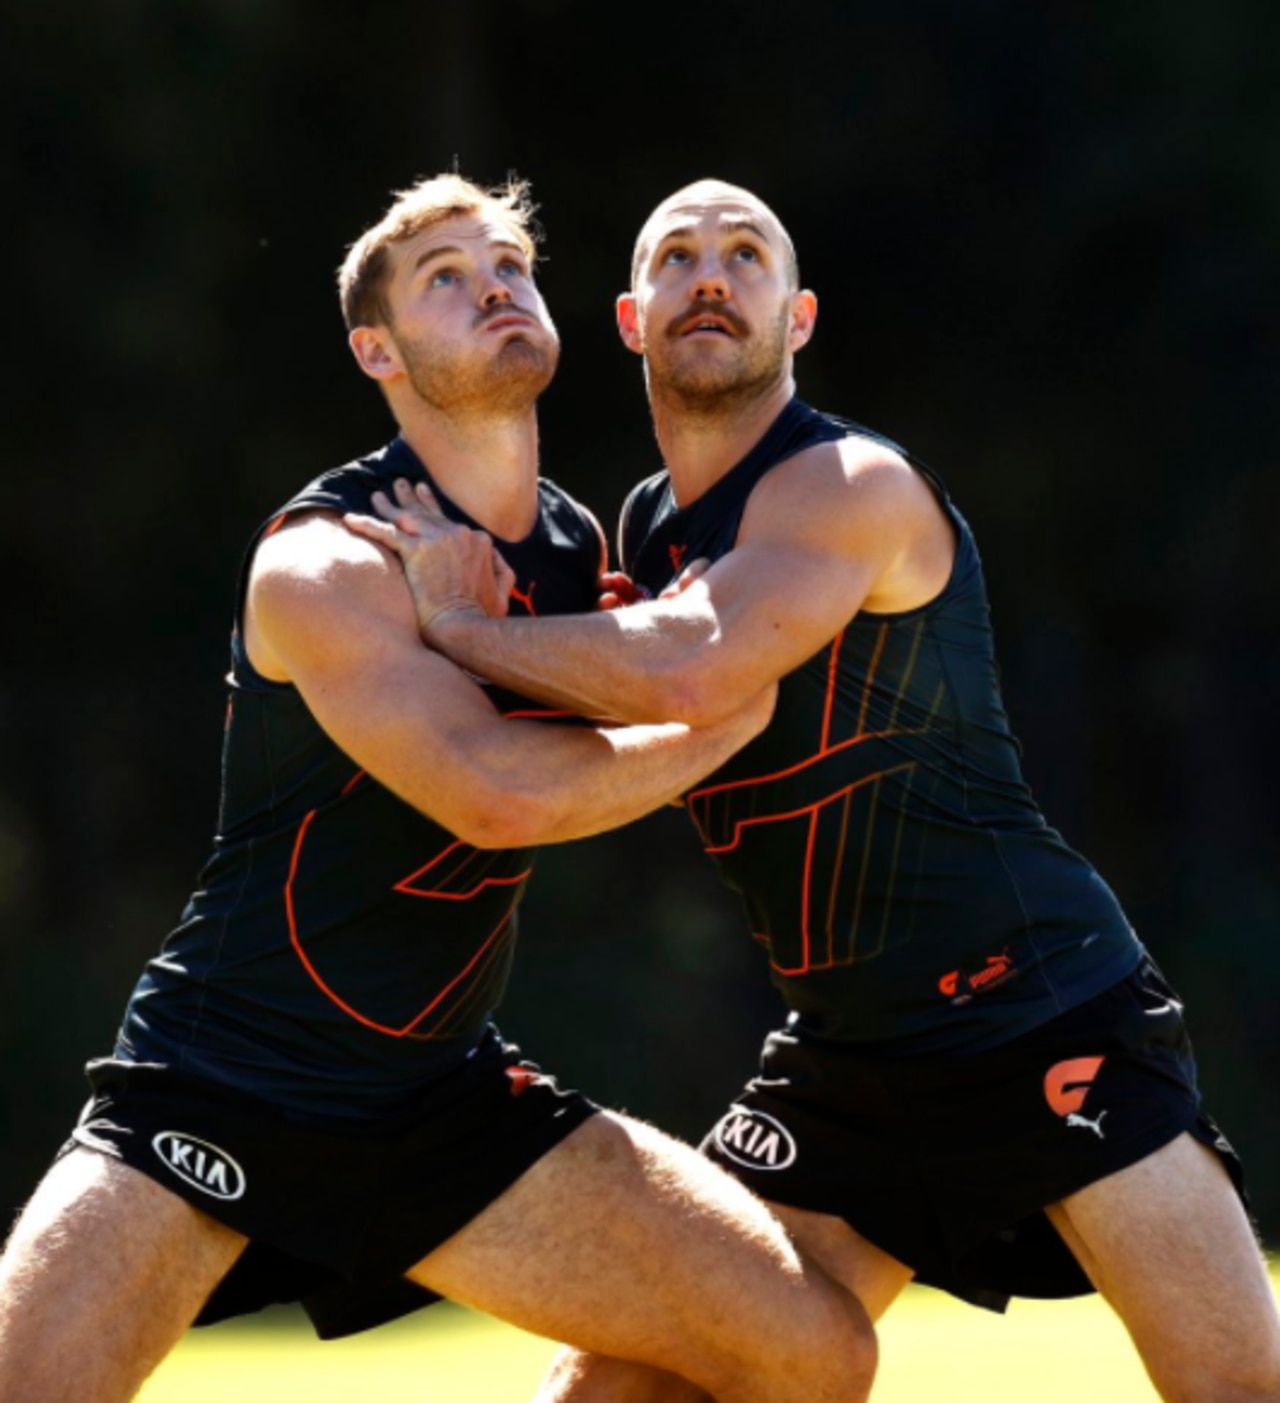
(308, 1099)
(983, 1083)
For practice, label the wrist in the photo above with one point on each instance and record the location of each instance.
(449, 622)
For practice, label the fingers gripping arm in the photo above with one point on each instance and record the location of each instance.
(822, 535)
(454, 566)
(330, 613)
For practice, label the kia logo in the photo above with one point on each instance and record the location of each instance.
(200, 1164)
(755, 1140)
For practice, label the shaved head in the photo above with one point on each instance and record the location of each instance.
(711, 192)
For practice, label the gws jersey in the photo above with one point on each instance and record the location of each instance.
(895, 868)
(342, 949)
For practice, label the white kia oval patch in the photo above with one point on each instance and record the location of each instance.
(200, 1164)
(755, 1140)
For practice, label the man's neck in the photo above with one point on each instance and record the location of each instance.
(487, 466)
(700, 447)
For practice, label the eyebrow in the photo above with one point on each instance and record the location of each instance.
(443, 250)
(731, 226)
(747, 226)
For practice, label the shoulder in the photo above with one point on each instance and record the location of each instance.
(573, 519)
(642, 501)
(333, 492)
(564, 508)
(638, 512)
(312, 548)
(645, 491)
(350, 485)
(316, 588)
(854, 483)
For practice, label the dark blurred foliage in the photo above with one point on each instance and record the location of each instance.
(1046, 240)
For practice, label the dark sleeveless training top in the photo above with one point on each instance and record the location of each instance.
(894, 866)
(342, 949)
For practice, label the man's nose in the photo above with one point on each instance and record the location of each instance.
(711, 285)
(496, 292)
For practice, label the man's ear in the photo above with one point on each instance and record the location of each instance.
(804, 312)
(629, 323)
(375, 352)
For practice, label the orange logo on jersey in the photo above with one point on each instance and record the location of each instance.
(677, 557)
(526, 599)
(1066, 1084)
(522, 1078)
(995, 971)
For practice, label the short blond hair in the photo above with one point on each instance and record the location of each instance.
(362, 279)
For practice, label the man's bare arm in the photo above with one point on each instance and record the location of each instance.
(331, 614)
(833, 530)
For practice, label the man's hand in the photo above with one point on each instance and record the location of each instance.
(693, 571)
(618, 590)
(328, 612)
(449, 567)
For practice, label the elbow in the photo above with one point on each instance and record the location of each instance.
(695, 695)
(506, 824)
(502, 818)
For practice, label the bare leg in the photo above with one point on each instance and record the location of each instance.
(876, 1278)
(628, 1244)
(872, 1275)
(1167, 1243)
(577, 1377)
(102, 1275)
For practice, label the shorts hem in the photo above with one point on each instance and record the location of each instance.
(334, 1218)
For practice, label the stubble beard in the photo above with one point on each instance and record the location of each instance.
(497, 386)
(713, 389)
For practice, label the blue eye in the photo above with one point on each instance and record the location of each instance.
(443, 277)
(676, 255)
(511, 268)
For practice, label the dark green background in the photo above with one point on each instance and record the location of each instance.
(1045, 238)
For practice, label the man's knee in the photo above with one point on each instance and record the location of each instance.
(1252, 1378)
(1230, 1386)
(844, 1350)
(811, 1340)
(825, 1353)
(1232, 1367)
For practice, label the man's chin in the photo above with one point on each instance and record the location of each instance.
(521, 342)
(707, 382)
(519, 348)
(705, 385)
(521, 371)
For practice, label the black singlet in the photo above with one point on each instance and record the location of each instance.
(894, 865)
(341, 949)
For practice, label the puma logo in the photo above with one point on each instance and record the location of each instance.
(526, 598)
(1094, 1125)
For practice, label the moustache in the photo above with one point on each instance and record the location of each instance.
(720, 310)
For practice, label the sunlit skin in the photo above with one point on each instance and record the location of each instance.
(467, 319)
(701, 1282)
(838, 528)
(715, 312)
(467, 348)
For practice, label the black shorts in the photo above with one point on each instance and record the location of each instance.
(946, 1162)
(335, 1216)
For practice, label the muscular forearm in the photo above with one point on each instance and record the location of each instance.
(563, 782)
(349, 641)
(639, 664)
